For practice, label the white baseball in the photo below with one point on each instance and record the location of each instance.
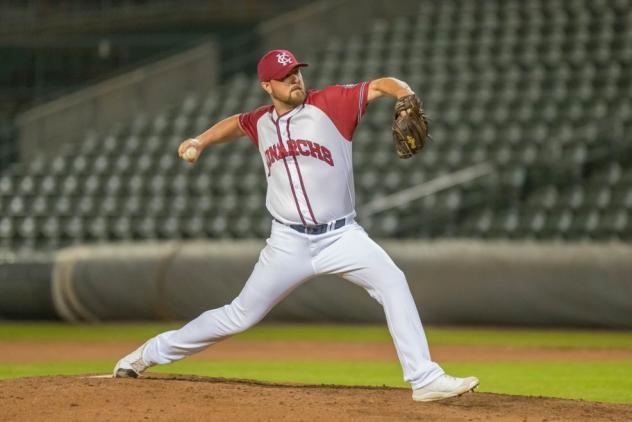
(190, 153)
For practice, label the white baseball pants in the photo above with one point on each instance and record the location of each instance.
(291, 258)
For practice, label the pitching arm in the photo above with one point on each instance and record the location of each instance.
(222, 132)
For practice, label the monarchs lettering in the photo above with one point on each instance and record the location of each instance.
(297, 147)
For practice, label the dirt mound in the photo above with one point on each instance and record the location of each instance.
(187, 398)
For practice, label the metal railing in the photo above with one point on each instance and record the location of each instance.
(148, 89)
(424, 189)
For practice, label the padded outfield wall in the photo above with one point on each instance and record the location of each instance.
(453, 282)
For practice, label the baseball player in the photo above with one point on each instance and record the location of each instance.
(305, 139)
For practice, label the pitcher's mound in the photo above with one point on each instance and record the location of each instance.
(182, 398)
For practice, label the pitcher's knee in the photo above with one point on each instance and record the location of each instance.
(241, 319)
(395, 276)
(394, 280)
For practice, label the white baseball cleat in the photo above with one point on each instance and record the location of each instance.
(132, 365)
(444, 387)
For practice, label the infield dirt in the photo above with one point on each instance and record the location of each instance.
(188, 398)
(270, 351)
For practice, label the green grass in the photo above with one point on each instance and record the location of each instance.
(369, 333)
(555, 339)
(598, 381)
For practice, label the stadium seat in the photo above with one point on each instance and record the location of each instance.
(62, 206)
(156, 206)
(40, 207)
(113, 185)
(614, 224)
(59, 165)
(140, 125)
(194, 227)
(38, 166)
(86, 206)
(179, 205)
(6, 228)
(122, 228)
(98, 228)
(51, 227)
(73, 229)
(92, 185)
(110, 206)
(169, 228)
(145, 227)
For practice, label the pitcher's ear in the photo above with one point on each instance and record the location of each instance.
(266, 87)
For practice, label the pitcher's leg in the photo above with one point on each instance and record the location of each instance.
(252, 304)
(357, 258)
(280, 269)
(389, 287)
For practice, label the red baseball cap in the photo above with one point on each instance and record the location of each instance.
(276, 64)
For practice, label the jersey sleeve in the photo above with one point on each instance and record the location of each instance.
(248, 122)
(344, 104)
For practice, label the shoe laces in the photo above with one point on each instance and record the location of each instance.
(450, 382)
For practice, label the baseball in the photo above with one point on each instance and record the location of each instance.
(190, 153)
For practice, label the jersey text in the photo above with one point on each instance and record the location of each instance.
(297, 147)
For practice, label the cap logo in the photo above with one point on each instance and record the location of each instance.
(284, 59)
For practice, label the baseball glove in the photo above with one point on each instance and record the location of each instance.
(410, 131)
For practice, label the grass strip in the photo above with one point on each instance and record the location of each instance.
(595, 381)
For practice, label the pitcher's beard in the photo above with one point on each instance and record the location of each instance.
(295, 98)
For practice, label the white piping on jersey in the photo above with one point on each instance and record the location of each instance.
(360, 97)
(277, 125)
(349, 160)
(287, 169)
(298, 170)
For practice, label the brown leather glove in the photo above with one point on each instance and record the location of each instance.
(410, 130)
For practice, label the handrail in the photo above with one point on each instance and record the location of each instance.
(424, 189)
(148, 89)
